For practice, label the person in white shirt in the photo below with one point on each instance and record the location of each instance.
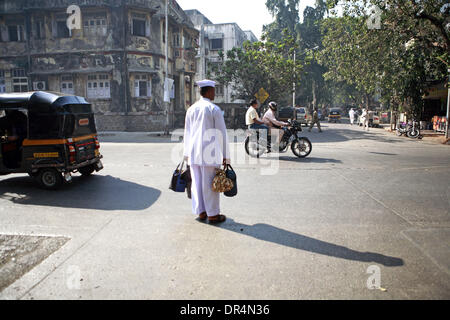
(271, 121)
(205, 148)
(351, 114)
(365, 119)
(253, 122)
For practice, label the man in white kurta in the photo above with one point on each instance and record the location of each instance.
(206, 148)
(352, 116)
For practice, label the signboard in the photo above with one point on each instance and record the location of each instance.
(262, 95)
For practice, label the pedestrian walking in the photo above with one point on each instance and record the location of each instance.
(206, 149)
(351, 114)
(315, 120)
(365, 119)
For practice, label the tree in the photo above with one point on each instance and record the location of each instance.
(286, 16)
(264, 64)
(395, 59)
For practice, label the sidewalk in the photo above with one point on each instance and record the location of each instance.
(134, 137)
(428, 135)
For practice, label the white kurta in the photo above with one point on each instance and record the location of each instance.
(352, 116)
(205, 147)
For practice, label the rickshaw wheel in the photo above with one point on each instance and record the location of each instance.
(50, 179)
(86, 171)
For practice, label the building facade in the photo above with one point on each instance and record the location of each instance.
(215, 38)
(116, 59)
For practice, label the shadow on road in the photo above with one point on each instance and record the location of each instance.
(95, 192)
(384, 154)
(309, 160)
(286, 238)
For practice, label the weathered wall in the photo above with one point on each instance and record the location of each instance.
(115, 52)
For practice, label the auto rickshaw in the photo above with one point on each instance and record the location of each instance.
(48, 135)
(334, 115)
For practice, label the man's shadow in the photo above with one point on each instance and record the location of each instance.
(286, 238)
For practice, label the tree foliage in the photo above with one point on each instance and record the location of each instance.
(264, 64)
(395, 60)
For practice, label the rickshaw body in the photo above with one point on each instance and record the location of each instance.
(60, 139)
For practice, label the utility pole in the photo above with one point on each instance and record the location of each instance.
(294, 88)
(448, 103)
(167, 132)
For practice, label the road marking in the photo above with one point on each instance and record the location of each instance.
(373, 198)
(442, 268)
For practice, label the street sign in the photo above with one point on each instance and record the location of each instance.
(262, 95)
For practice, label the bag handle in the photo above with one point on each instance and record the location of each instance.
(180, 164)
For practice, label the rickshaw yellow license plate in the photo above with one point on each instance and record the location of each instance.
(46, 155)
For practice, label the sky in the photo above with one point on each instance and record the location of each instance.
(248, 14)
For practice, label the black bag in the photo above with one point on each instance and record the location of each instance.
(229, 172)
(178, 184)
(186, 176)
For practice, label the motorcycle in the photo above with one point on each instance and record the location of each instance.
(402, 129)
(414, 130)
(255, 146)
(410, 129)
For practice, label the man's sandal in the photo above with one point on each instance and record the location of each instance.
(217, 219)
(203, 216)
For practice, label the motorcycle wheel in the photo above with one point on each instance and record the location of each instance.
(413, 134)
(253, 149)
(301, 147)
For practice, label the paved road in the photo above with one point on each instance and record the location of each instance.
(299, 229)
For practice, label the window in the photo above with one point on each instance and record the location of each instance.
(20, 80)
(140, 26)
(176, 40)
(61, 29)
(95, 25)
(219, 90)
(67, 85)
(39, 29)
(16, 33)
(216, 44)
(98, 86)
(2, 81)
(142, 86)
(187, 42)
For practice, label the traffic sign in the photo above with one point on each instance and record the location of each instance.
(262, 95)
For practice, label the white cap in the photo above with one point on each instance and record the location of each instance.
(206, 83)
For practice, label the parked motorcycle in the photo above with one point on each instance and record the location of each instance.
(414, 130)
(256, 146)
(410, 129)
(402, 129)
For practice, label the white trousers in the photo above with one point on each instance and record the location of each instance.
(366, 124)
(204, 199)
(352, 121)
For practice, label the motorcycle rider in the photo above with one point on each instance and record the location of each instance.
(271, 121)
(253, 121)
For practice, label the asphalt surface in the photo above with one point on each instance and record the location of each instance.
(312, 228)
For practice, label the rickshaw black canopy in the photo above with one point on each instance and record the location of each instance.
(51, 114)
(40, 101)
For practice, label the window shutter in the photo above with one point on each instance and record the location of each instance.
(147, 27)
(136, 88)
(149, 88)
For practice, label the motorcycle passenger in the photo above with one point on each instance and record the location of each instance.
(253, 121)
(271, 121)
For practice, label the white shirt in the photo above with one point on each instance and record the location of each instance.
(205, 135)
(270, 119)
(352, 114)
(251, 115)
